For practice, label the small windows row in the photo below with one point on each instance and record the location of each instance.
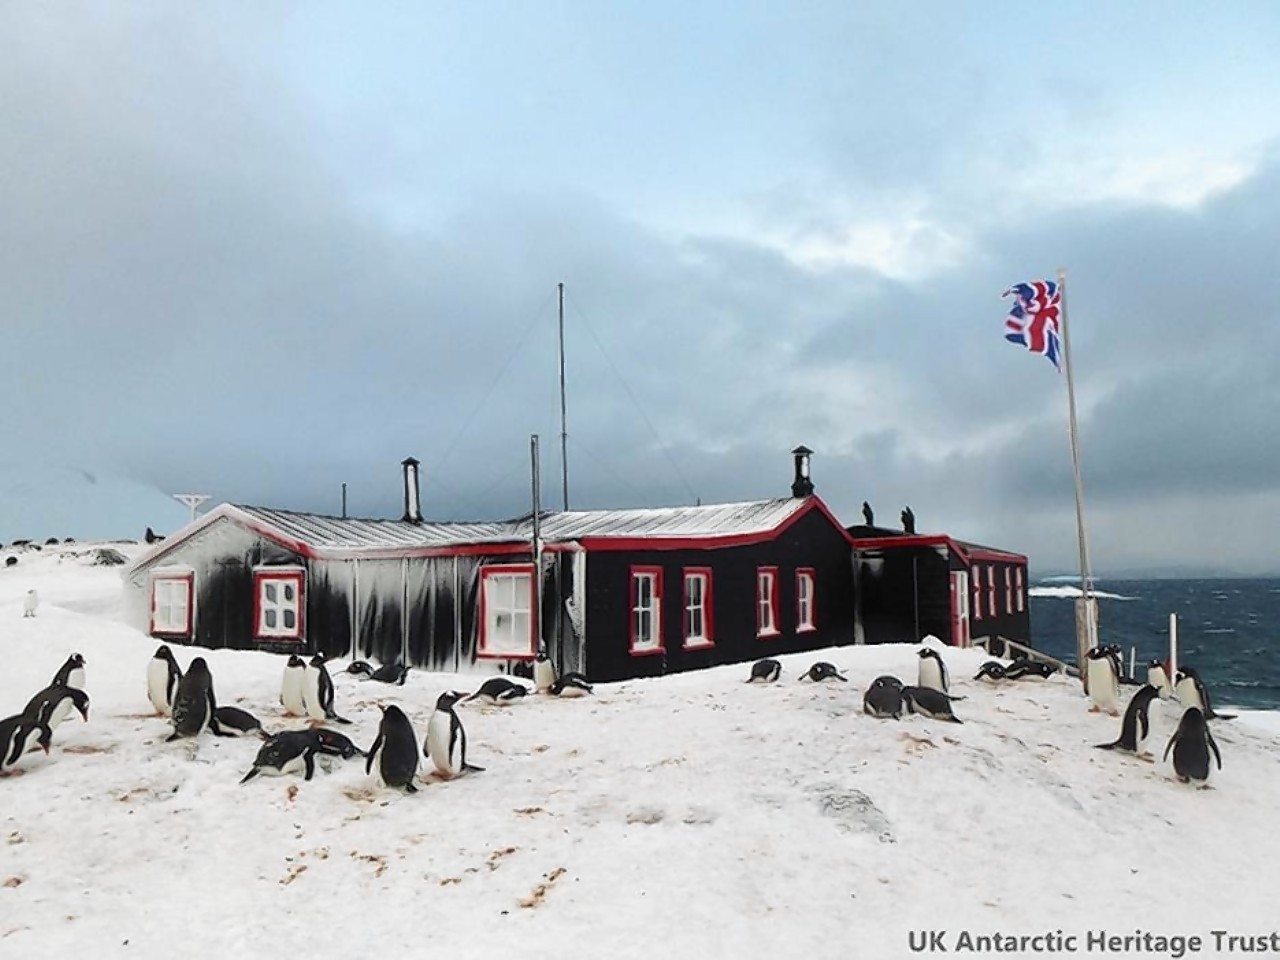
(984, 580)
(278, 605)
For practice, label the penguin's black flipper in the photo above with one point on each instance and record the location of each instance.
(1213, 745)
(337, 719)
(1106, 746)
(953, 719)
(172, 737)
(309, 760)
(1221, 716)
(472, 768)
(249, 776)
(373, 750)
(216, 728)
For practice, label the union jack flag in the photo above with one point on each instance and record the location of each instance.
(1033, 320)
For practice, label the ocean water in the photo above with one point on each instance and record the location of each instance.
(1229, 630)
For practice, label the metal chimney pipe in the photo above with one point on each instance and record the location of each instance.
(412, 502)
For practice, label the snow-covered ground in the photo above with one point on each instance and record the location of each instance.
(690, 816)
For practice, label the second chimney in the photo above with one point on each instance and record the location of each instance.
(412, 504)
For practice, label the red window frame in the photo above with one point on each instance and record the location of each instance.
(659, 647)
(774, 630)
(991, 589)
(190, 580)
(975, 572)
(807, 573)
(708, 630)
(299, 577)
(483, 613)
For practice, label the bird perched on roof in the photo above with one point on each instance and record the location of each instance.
(867, 514)
(908, 520)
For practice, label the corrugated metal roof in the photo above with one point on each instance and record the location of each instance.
(711, 520)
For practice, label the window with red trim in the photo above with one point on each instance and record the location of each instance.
(805, 581)
(766, 601)
(507, 621)
(172, 605)
(1008, 590)
(975, 573)
(278, 603)
(646, 610)
(1018, 594)
(697, 608)
(991, 590)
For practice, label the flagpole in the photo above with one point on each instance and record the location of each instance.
(1086, 638)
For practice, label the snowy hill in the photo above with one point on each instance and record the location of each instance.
(690, 816)
(39, 502)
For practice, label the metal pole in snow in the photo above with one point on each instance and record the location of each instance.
(535, 584)
(1133, 662)
(1173, 649)
(564, 430)
(344, 501)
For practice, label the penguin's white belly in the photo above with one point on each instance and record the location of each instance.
(291, 693)
(930, 676)
(158, 687)
(293, 765)
(29, 743)
(571, 691)
(1102, 685)
(438, 745)
(312, 706)
(76, 678)
(60, 712)
(544, 675)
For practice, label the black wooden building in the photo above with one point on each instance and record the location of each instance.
(621, 593)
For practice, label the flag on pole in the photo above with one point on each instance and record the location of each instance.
(1033, 320)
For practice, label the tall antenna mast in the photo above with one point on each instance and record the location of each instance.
(192, 500)
(564, 434)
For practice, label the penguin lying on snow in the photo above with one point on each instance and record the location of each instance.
(52, 705)
(17, 736)
(766, 671)
(387, 673)
(930, 703)
(1026, 667)
(336, 744)
(1191, 744)
(883, 698)
(823, 671)
(235, 722)
(394, 751)
(570, 685)
(991, 670)
(163, 677)
(287, 752)
(1136, 725)
(446, 744)
(499, 690)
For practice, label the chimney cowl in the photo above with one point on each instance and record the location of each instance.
(412, 499)
(802, 485)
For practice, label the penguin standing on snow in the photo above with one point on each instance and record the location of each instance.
(765, 671)
(52, 705)
(930, 703)
(544, 672)
(933, 671)
(499, 691)
(317, 691)
(29, 603)
(1191, 744)
(291, 687)
(446, 744)
(1104, 681)
(163, 677)
(394, 751)
(71, 673)
(287, 752)
(17, 736)
(883, 698)
(1192, 692)
(1158, 677)
(195, 708)
(1136, 725)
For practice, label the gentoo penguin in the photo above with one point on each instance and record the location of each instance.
(823, 671)
(766, 671)
(929, 702)
(394, 751)
(1136, 725)
(195, 707)
(29, 603)
(499, 690)
(1191, 744)
(446, 744)
(18, 735)
(317, 691)
(71, 673)
(1104, 681)
(52, 705)
(933, 671)
(992, 670)
(286, 752)
(391, 673)
(570, 685)
(544, 672)
(1158, 677)
(883, 698)
(291, 687)
(239, 723)
(336, 744)
(1027, 667)
(360, 668)
(1191, 692)
(163, 677)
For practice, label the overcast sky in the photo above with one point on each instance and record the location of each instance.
(259, 250)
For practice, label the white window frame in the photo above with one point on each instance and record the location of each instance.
(975, 572)
(645, 630)
(283, 579)
(1019, 594)
(806, 582)
(1008, 590)
(991, 589)
(171, 616)
(697, 608)
(767, 602)
(507, 619)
